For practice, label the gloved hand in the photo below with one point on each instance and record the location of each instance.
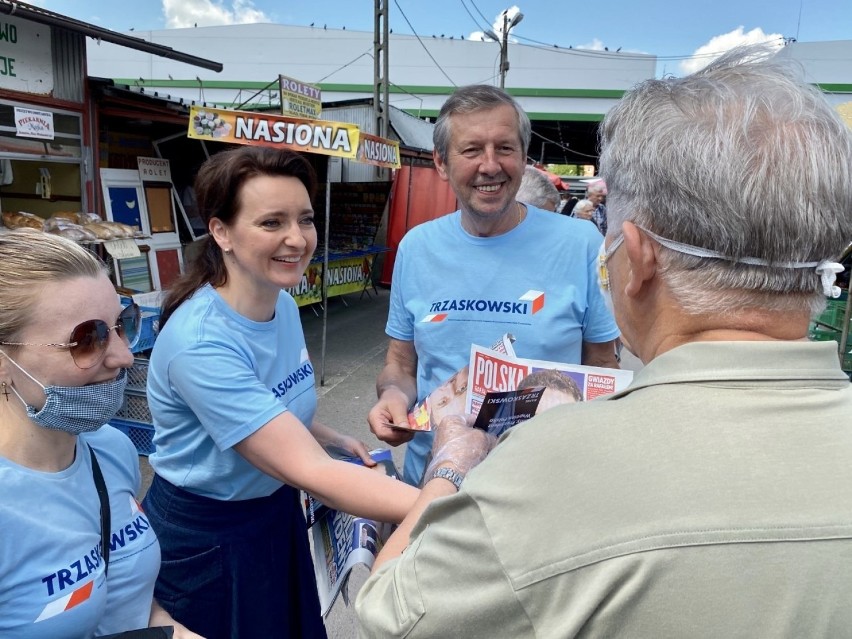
(459, 446)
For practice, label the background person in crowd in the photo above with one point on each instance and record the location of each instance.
(494, 266)
(63, 353)
(584, 210)
(596, 193)
(566, 206)
(538, 190)
(684, 505)
(232, 393)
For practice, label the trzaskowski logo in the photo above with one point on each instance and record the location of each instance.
(529, 303)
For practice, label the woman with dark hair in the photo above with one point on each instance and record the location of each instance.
(231, 392)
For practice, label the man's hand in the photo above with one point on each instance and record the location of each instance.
(392, 408)
(459, 446)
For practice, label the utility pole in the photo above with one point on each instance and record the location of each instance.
(381, 93)
(504, 51)
(504, 42)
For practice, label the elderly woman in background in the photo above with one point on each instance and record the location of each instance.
(584, 210)
(64, 348)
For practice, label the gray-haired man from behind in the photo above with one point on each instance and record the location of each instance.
(538, 190)
(713, 497)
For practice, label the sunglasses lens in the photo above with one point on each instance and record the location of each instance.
(90, 340)
(128, 324)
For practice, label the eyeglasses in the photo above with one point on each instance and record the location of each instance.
(89, 339)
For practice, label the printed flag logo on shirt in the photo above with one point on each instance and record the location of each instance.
(536, 300)
(529, 303)
(67, 602)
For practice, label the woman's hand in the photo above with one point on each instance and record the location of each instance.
(327, 437)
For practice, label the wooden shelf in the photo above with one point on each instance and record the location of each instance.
(35, 196)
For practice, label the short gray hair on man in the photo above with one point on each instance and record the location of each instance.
(743, 158)
(476, 97)
(538, 190)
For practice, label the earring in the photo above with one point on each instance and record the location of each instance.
(227, 251)
(5, 392)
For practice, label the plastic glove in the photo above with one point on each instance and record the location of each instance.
(458, 445)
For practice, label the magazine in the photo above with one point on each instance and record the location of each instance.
(502, 410)
(341, 540)
(490, 372)
(451, 396)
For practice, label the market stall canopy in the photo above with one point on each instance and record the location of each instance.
(554, 179)
(43, 16)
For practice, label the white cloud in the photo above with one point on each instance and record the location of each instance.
(594, 45)
(719, 44)
(206, 13)
(497, 26)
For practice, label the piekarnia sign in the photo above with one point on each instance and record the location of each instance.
(243, 127)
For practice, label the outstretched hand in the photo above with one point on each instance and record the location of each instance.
(458, 445)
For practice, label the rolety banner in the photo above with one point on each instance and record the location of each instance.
(339, 139)
(378, 151)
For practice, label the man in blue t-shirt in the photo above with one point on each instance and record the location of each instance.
(495, 266)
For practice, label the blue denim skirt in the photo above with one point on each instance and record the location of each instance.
(235, 569)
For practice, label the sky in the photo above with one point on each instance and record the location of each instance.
(683, 34)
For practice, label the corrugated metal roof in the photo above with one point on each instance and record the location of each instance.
(412, 131)
(408, 129)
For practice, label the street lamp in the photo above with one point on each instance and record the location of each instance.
(508, 24)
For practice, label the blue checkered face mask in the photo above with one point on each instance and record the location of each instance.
(76, 409)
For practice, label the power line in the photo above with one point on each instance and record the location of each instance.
(421, 43)
(471, 16)
(367, 53)
(487, 21)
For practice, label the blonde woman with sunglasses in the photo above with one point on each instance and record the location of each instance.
(64, 346)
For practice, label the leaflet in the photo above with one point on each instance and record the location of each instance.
(340, 540)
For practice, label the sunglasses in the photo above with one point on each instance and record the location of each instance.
(89, 339)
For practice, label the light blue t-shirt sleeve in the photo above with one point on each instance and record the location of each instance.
(223, 391)
(598, 323)
(400, 323)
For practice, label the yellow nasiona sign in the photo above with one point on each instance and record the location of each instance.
(339, 139)
(349, 275)
(378, 151)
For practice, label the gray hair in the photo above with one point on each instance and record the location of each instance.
(538, 190)
(31, 259)
(582, 204)
(476, 97)
(743, 158)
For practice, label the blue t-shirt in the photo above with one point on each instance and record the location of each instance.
(51, 570)
(134, 553)
(450, 290)
(216, 377)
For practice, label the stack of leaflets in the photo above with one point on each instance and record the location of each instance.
(341, 540)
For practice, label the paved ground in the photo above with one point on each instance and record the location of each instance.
(354, 355)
